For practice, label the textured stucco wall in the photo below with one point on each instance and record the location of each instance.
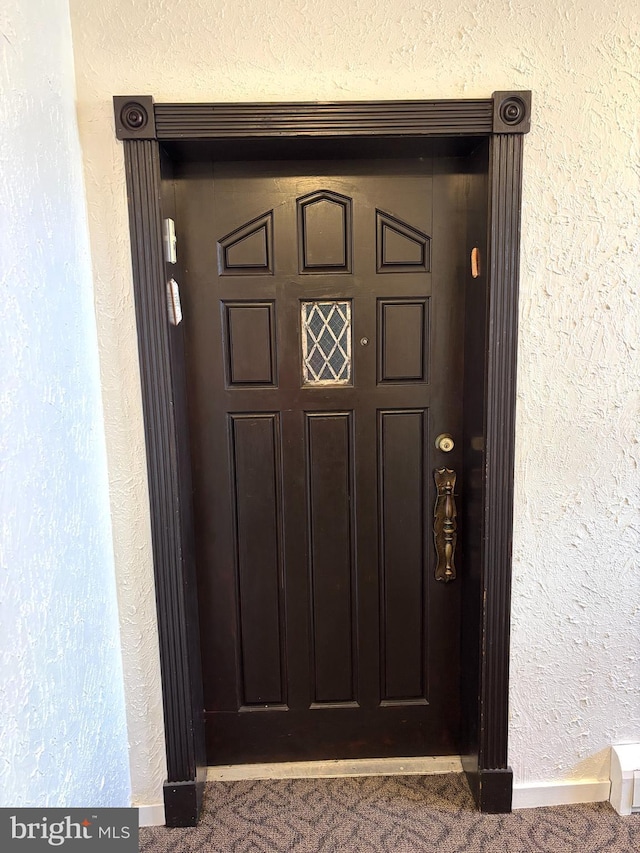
(63, 738)
(575, 669)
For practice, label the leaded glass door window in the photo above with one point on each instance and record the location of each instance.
(326, 342)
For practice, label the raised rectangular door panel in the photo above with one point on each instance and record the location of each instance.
(323, 341)
(250, 343)
(332, 572)
(403, 340)
(403, 561)
(257, 501)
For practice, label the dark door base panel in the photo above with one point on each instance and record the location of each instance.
(257, 736)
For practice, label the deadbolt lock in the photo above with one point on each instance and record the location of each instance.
(445, 442)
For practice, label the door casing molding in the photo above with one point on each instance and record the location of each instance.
(144, 127)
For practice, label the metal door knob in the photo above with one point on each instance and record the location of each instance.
(445, 442)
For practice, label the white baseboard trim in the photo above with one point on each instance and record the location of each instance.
(536, 794)
(335, 769)
(151, 815)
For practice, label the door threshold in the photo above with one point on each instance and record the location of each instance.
(421, 766)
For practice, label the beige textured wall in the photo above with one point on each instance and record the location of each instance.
(576, 600)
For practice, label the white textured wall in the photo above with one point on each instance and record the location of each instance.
(63, 739)
(575, 670)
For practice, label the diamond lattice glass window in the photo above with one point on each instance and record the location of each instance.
(326, 343)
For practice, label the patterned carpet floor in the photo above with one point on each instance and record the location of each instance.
(399, 814)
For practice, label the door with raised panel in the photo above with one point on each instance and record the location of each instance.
(323, 331)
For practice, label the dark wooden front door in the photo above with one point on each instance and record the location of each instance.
(323, 332)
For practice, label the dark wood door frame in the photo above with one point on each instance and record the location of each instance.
(145, 128)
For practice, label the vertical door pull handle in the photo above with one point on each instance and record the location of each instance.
(445, 525)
